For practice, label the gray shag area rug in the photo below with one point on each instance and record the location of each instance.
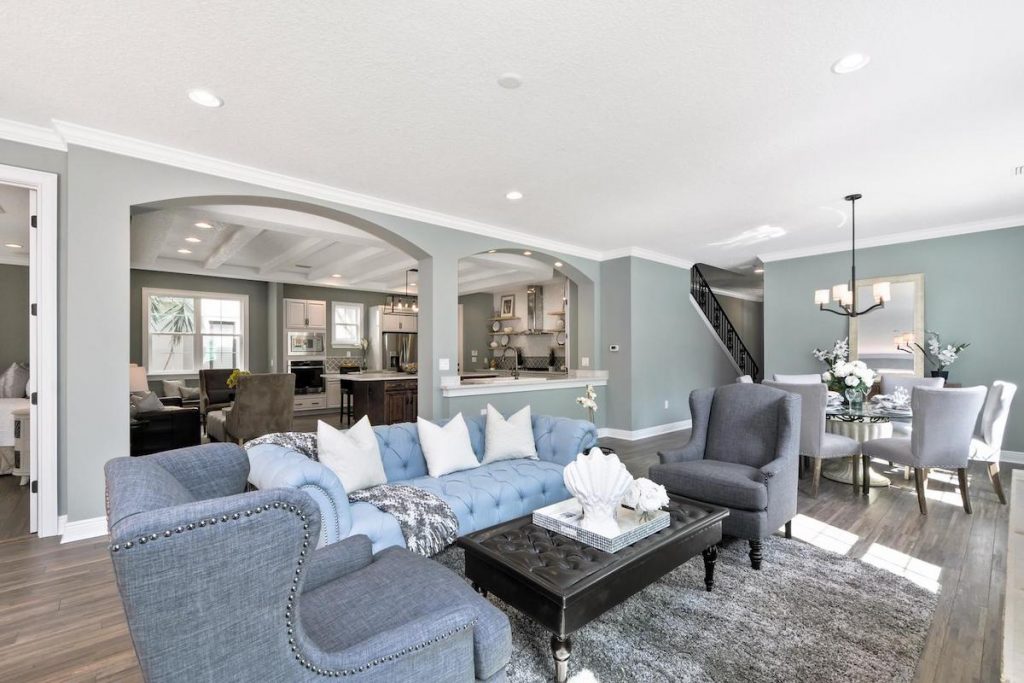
(807, 615)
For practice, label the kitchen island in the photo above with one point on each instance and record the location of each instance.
(386, 397)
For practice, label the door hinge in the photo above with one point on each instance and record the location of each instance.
(34, 222)
(35, 398)
(33, 310)
(35, 486)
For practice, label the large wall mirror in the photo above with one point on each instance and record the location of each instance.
(885, 338)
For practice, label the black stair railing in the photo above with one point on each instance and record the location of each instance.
(701, 292)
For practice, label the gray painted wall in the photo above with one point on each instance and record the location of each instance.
(96, 285)
(970, 281)
(256, 291)
(547, 402)
(476, 309)
(616, 321)
(748, 318)
(672, 351)
(13, 315)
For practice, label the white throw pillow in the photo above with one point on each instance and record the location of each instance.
(353, 455)
(508, 439)
(446, 449)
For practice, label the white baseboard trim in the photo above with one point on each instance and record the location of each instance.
(70, 532)
(1014, 457)
(645, 433)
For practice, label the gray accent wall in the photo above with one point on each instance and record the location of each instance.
(665, 349)
(748, 319)
(13, 315)
(477, 309)
(971, 284)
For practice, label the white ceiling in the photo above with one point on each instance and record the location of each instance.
(14, 224)
(281, 245)
(675, 127)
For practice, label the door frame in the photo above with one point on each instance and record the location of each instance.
(43, 351)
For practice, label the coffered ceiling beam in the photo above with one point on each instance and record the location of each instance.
(234, 243)
(300, 250)
(340, 266)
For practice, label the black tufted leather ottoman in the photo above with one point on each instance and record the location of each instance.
(563, 584)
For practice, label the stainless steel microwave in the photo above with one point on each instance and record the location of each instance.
(306, 343)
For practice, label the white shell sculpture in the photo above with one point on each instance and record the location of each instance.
(599, 482)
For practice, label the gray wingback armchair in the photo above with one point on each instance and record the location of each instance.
(742, 455)
(222, 585)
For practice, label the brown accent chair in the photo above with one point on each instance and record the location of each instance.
(264, 404)
(214, 392)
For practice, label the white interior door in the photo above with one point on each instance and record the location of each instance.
(33, 361)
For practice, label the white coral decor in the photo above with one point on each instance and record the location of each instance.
(599, 482)
(645, 496)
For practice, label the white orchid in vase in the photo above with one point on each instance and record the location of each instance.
(589, 401)
(941, 357)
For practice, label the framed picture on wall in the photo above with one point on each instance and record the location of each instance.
(508, 306)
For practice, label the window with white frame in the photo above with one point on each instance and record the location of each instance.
(347, 319)
(184, 332)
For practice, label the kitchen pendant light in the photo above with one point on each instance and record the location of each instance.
(404, 303)
(845, 295)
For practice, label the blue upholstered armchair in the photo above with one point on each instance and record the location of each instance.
(223, 585)
(742, 455)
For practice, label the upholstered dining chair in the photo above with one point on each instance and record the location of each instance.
(889, 383)
(742, 455)
(987, 444)
(744, 379)
(797, 379)
(815, 442)
(943, 423)
(264, 404)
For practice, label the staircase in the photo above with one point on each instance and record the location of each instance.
(709, 305)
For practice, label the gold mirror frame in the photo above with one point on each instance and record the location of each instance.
(918, 280)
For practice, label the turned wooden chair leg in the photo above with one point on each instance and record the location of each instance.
(961, 473)
(997, 484)
(919, 475)
(789, 529)
(865, 476)
(815, 477)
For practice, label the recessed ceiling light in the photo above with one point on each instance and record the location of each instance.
(184, 251)
(12, 245)
(193, 240)
(336, 275)
(527, 253)
(203, 225)
(510, 81)
(850, 63)
(205, 98)
(513, 195)
(558, 264)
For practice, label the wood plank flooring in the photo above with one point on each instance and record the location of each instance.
(61, 618)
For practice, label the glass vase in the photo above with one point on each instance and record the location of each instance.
(855, 398)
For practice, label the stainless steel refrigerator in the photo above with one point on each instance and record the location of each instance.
(388, 350)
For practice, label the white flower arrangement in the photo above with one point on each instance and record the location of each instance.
(941, 357)
(645, 497)
(843, 374)
(589, 401)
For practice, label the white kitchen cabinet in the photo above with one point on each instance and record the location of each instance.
(301, 314)
(395, 322)
(333, 392)
(310, 402)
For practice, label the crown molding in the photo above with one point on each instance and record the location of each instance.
(952, 230)
(26, 133)
(75, 134)
(647, 255)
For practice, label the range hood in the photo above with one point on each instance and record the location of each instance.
(534, 308)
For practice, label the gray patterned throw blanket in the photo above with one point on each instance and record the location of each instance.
(427, 522)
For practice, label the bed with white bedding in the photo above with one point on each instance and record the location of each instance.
(8, 406)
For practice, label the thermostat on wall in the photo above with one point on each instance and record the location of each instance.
(613, 347)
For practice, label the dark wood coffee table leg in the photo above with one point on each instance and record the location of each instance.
(561, 648)
(710, 555)
(479, 589)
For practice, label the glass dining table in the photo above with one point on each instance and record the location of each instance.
(863, 423)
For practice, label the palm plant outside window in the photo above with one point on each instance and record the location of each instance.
(186, 331)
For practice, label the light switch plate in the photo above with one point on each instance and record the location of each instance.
(443, 364)
(585, 362)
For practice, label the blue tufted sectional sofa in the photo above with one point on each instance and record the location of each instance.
(480, 497)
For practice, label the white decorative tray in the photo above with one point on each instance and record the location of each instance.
(564, 518)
